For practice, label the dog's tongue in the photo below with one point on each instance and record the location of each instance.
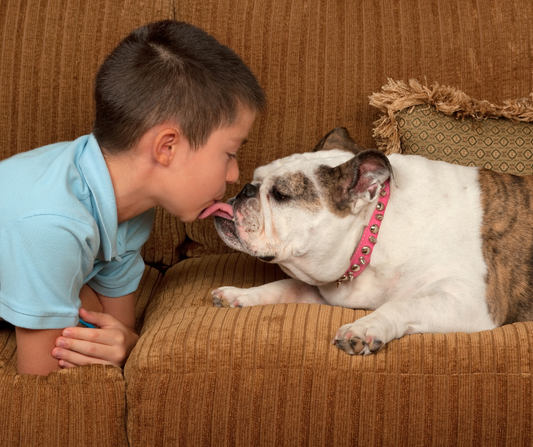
(219, 209)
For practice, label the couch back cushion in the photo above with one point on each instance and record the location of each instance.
(320, 60)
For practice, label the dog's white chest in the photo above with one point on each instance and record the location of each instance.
(368, 291)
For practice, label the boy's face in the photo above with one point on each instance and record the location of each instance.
(203, 173)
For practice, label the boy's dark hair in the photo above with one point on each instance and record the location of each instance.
(170, 71)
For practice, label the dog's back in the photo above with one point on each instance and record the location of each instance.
(507, 235)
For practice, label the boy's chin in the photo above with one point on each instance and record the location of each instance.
(185, 218)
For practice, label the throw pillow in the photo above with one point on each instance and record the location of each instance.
(443, 123)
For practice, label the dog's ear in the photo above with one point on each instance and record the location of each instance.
(361, 177)
(338, 138)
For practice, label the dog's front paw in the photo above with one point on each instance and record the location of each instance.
(359, 338)
(231, 297)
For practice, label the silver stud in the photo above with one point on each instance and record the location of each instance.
(372, 240)
(383, 193)
(374, 229)
(362, 260)
(380, 206)
(365, 250)
(379, 216)
(356, 267)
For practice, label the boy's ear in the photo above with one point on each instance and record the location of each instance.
(165, 144)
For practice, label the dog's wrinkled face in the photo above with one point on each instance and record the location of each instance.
(296, 210)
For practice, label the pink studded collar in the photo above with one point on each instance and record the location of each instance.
(361, 257)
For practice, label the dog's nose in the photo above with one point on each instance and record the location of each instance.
(249, 190)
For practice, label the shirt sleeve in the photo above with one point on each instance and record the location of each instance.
(122, 275)
(43, 260)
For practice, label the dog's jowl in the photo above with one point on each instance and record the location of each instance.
(429, 246)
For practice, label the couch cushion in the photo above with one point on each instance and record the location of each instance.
(77, 407)
(319, 60)
(269, 375)
(443, 123)
(167, 242)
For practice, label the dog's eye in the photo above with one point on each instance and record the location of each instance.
(280, 197)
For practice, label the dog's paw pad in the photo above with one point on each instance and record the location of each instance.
(220, 302)
(229, 297)
(374, 345)
(356, 345)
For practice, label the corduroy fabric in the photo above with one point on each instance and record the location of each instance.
(168, 236)
(269, 375)
(79, 407)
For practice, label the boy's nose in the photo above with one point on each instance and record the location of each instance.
(233, 173)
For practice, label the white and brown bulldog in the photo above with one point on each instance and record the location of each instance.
(429, 246)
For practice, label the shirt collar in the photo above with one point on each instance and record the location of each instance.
(93, 167)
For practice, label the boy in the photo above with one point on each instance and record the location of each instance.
(173, 106)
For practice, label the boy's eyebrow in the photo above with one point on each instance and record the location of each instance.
(242, 141)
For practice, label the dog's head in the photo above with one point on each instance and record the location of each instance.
(298, 210)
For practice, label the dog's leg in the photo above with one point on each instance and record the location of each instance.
(284, 291)
(440, 312)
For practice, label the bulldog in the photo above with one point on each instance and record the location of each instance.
(428, 246)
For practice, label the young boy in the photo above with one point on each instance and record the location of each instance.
(173, 106)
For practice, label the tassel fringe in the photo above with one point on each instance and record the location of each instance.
(396, 96)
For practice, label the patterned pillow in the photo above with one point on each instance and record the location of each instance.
(442, 123)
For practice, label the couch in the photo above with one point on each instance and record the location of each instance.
(267, 375)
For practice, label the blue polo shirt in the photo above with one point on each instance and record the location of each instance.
(58, 231)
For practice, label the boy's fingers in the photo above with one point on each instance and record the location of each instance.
(65, 365)
(84, 353)
(71, 336)
(75, 359)
(98, 319)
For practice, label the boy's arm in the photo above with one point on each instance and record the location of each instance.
(123, 308)
(38, 351)
(110, 344)
(34, 350)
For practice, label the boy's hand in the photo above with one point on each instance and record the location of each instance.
(110, 344)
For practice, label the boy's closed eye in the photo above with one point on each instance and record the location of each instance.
(240, 144)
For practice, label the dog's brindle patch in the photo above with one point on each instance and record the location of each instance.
(299, 187)
(507, 235)
(341, 184)
(335, 182)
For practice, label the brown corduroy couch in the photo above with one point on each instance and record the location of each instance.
(266, 376)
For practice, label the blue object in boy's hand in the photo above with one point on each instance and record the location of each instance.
(89, 325)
